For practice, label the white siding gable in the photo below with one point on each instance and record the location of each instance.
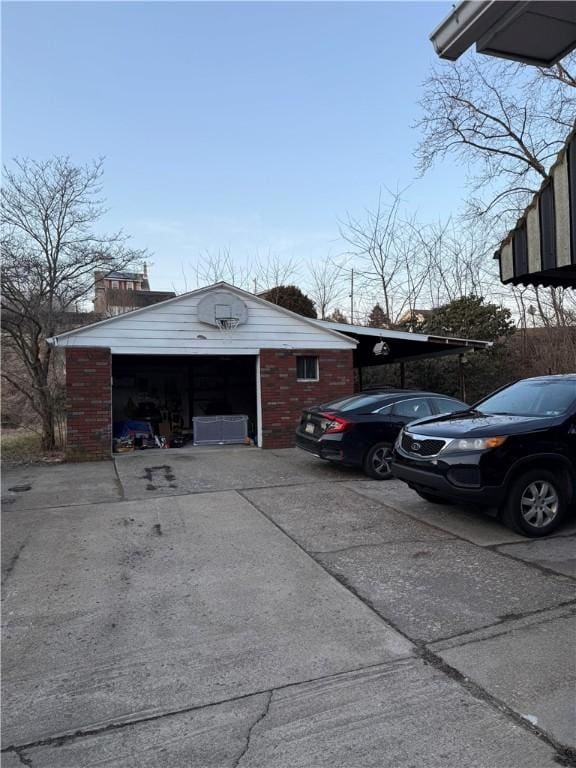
(172, 327)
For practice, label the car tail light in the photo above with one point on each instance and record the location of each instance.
(335, 423)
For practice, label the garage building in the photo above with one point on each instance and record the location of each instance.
(215, 351)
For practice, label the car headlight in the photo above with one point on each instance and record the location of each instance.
(477, 443)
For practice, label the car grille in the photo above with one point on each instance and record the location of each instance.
(421, 446)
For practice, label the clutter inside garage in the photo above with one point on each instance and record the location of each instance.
(171, 401)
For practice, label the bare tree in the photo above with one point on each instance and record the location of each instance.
(503, 122)
(327, 285)
(458, 260)
(387, 251)
(257, 274)
(49, 255)
(372, 240)
(220, 266)
(548, 307)
(271, 270)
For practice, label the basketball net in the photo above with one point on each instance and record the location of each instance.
(227, 325)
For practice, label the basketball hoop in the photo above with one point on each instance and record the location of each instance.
(227, 325)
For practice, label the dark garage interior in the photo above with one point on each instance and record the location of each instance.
(167, 392)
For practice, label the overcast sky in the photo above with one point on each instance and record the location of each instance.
(252, 126)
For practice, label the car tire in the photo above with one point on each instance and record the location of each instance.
(377, 462)
(433, 499)
(536, 503)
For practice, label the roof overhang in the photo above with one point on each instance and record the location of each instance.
(541, 249)
(536, 32)
(401, 346)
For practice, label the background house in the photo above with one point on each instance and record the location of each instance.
(415, 316)
(119, 292)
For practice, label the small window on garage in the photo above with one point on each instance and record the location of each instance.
(307, 368)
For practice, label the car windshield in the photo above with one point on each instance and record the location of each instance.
(532, 398)
(357, 401)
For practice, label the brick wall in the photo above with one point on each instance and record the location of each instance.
(89, 403)
(283, 397)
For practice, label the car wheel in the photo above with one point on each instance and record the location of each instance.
(432, 499)
(377, 462)
(536, 503)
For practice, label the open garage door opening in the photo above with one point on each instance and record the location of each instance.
(179, 397)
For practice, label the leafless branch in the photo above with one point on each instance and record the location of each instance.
(50, 254)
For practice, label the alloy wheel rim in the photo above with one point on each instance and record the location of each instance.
(381, 461)
(539, 503)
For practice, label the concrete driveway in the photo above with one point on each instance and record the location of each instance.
(231, 607)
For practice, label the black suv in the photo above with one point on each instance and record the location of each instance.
(514, 450)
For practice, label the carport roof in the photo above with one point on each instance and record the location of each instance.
(402, 345)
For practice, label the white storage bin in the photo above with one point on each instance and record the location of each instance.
(220, 430)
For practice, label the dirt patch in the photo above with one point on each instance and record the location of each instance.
(20, 444)
(21, 447)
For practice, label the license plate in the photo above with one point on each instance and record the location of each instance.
(309, 428)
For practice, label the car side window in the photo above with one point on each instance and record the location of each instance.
(414, 408)
(445, 405)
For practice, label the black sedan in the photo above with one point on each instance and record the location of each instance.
(360, 430)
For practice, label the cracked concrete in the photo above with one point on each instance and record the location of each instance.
(221, 579)
(444, 588)
(254, 725)
(363, 719)
(370, 718)
(16, 757)
(498, 663)
(211, 737)
(11, 564)
(326, 518)
(316, 619)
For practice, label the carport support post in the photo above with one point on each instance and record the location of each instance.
(461, 377)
